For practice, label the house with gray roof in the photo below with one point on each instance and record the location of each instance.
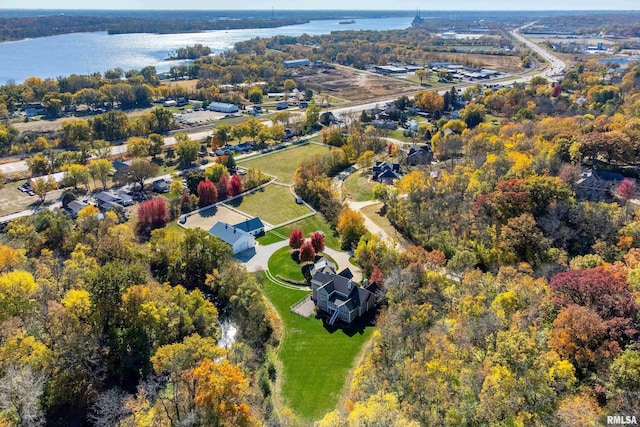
(239, 240)
(338, 295)
(253, 226)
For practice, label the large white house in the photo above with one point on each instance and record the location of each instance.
(239, 240)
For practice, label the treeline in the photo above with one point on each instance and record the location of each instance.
(30, 27)
(190, 52)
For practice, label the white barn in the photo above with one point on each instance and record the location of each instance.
(239, 240)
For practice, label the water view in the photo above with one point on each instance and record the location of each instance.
(83, 53)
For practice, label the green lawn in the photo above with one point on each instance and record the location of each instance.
(399, 135)
(316, 361)
(359, 187)
(283, 264)
(308, 227)
(284, 163)
(274, 204)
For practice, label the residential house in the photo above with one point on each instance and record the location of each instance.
(386, 172)
(108, 200)
(597, 185)
(419, 155)
(338, 295)
(239, 240)
(74, 207)
(384, 124)
(253, 226)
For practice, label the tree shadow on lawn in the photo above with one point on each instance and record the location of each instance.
(235, 202)
(357, 327)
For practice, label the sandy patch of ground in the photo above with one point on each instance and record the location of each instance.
(208, 217)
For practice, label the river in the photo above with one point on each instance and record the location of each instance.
(84, 53)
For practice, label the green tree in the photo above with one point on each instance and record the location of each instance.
(255, 95)
(138, 147)
(100, 169)
(312, 115)
(186, 148)
(76, 174)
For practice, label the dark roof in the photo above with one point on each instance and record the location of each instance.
(342, 290)
(346, 273)
(608, 176)
(388, 173)
(105, 196)
(250, 225)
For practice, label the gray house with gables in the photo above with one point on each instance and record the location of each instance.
(338, 295)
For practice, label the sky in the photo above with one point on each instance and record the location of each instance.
(329, 4)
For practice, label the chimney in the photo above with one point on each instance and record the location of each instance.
(349, 282)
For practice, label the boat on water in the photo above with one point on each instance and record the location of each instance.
(347, 22)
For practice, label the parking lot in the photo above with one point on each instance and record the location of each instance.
(198, 117)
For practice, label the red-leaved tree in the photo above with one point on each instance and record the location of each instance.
(604, 293)
(152, 214)
(307, 253)
(222, 185)
(557, 90)
(235, 185)
(317, 241)
(626, 190)
(377, 276)
(296, 239)
(207, 193)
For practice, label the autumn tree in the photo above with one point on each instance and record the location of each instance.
(429, 101)
(140, 170)
(580, 335)
(207, 193)
(223, 187)
(138, 147)
(76, 174)
(317, 241)
(100, 170)
(186, 148)
(42, 186)
(235, 185)
(350, 227)
(307, 253)
(152, 214)
(296, 239)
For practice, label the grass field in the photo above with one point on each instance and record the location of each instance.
(282, 263)
(273, 204)
(308, 227)
(373, 213)
(316, 360)
(283, 164)
(359, 187)
(209, 216)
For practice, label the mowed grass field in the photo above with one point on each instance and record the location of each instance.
(316, 360)
(308, 226)
(284, 163)
(359, 187)
(273, 204)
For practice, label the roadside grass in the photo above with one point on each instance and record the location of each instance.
(373, 213)
(273, 204)
(316, 360)
(282, 263)
(284, 163)
(399, 135)
(308, 227)
(359, 187)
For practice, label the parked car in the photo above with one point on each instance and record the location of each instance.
(299, 200)
(241, 172)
